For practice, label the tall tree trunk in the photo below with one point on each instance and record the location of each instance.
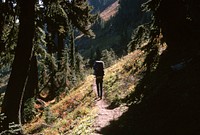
(21, 65)
(32, 83)
(31, 88)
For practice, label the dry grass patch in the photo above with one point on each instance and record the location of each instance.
(121, 78)
(66, 114)
(76, 112)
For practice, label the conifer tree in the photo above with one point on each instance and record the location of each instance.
(56, 15)
(12, 101)
(72, 54)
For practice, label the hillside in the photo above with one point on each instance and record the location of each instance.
(161, 90)
(151, 82)
(156, 95)
(110, 11)
(165, 101)
(77, 111)
(114, 28)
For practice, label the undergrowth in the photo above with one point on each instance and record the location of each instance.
(76, 112)
(73, 112)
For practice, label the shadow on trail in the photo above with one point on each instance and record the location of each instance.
(171, 94)
(170, 106)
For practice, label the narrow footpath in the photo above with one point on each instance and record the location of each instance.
(105, 115)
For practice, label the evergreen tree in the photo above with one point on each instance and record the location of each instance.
(60, 20)
(109, 57)
(72, 54)
(56, 15)
(21, 66)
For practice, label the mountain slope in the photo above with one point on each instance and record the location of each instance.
(160, 89)
(116, 32)
(76, 112)
(168, 101)
(109, 11)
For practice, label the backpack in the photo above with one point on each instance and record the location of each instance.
(99, 68)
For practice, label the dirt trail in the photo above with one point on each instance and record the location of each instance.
(105, 115)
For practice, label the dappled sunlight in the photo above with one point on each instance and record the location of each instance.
(80, 107)
(100, 67)
(76, 104)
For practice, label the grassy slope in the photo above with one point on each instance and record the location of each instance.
(75, 113)
(164, 102)
(168, 99)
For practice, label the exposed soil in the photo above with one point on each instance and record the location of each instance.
(104, 114)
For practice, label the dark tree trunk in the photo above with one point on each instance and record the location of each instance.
(21, 65)
(32, 83)
(31, 88)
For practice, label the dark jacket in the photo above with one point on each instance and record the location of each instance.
(98, 68)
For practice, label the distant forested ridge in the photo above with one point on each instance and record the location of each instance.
(115, 33)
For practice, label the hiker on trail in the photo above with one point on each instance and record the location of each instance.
(99, 73)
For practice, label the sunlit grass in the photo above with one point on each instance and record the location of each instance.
(74, 107)
(76, 112)
(120, 78)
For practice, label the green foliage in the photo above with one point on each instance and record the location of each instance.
(29, 110)
(79, 15)
(79, 69)
(59, 23)
(8, 43)
(115, 89)
(54, 20)
(109, 57)
(140, 36)
(57, 17)
(116, 33)
(84, 126)
(110, 84)
(61, 17)
(49, 118)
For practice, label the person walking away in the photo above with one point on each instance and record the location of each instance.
(99, 74)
